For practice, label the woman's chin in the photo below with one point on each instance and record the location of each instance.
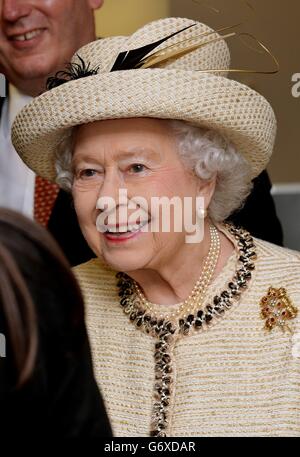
(124, 262)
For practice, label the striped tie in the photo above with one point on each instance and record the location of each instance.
(45, 194)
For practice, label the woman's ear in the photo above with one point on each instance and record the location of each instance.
(95, 4)
(206, 190)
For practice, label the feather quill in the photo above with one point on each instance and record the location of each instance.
(129, 60)
(173, 54)
(172, 51)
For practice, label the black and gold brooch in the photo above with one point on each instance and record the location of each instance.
(277, 309)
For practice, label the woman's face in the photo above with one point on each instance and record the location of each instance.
(140, 157)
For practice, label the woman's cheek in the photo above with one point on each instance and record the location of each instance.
(81, 207)
(84, 197)
(166, 184)
(76, 200)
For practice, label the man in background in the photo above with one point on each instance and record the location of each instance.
(38, 38)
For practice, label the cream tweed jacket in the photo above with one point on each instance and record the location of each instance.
(234, 379)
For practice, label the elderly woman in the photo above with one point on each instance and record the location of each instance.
(190, 336)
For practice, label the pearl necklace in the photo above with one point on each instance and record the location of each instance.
(196, 296)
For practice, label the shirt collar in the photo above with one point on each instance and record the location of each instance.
(16, 101)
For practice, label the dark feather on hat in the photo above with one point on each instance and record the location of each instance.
(73, 71)
(130, 60)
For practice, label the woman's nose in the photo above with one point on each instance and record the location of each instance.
(111, 187)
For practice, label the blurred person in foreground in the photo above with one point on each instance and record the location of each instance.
(189, 338)
(47, 385)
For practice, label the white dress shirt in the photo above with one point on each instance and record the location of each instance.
(17, 181)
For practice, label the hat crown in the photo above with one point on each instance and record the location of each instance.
(212, 56)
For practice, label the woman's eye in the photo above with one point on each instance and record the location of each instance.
(87, 173)
(137, 168)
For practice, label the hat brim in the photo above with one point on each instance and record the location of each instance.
(215, 102)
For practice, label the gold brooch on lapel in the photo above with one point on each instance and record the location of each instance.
(277, 309)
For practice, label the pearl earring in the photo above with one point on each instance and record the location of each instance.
(201, 213)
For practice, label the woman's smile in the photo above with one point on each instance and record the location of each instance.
(122, 233)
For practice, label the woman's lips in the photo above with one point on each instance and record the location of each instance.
(27, 40)
(121, 237)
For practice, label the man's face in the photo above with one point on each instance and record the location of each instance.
(38, 37)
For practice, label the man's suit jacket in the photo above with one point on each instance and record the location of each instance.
(258, 215)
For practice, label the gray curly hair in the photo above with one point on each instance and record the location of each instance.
(205, 152)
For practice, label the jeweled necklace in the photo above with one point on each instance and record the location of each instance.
(165, 331)
(196, 296)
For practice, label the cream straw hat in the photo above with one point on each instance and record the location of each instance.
(106, 87)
